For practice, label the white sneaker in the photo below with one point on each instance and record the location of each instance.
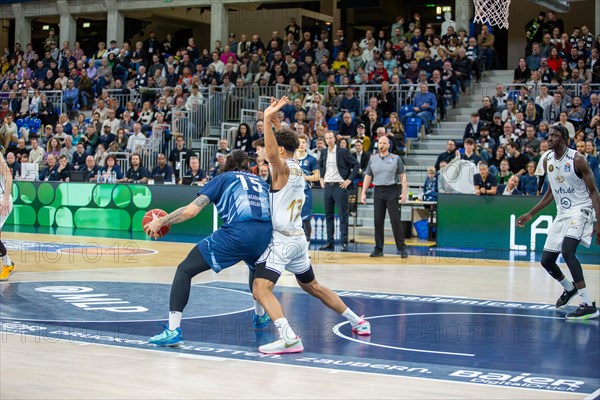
(283, 346)
(363, 328)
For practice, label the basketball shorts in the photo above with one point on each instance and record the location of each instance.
(577, 225)
(244, 241)
(4, 217)
(286, 253)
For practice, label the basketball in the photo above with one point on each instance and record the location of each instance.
(148, 217)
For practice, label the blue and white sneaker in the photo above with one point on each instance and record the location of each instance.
(261, 322)
(167, 338)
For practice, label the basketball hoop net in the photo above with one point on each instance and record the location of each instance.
(493, 12)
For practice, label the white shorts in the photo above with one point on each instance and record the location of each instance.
(577, 225)
(288, 253)
(4, 217)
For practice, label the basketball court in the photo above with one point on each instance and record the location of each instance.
(443, 326)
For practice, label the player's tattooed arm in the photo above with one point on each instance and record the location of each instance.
(201, 201)
(184, 213)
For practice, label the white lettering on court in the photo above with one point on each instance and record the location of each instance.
(82, 298)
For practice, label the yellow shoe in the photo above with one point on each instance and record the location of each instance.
(6, 271)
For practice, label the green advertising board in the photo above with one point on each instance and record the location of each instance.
(108, 209)
(102, 207)
(489, 222)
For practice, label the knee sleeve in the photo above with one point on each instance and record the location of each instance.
(549, 263)
(306, 277)
(193, 264)
(263, 272)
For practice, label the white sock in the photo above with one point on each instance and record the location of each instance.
(174, 320)
(258, 309)
(6, 260)
(351, 317)
(285, 330)
(567, 284)
(584, 296)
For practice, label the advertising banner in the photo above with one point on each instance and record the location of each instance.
(489, 222)
(102, 207)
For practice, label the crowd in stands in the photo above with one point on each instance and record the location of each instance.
(557, 82)
(324, 73)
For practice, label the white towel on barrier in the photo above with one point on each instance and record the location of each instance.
(457, 177)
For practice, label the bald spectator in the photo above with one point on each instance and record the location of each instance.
(137, 140)
(13, 164)
(90, 171)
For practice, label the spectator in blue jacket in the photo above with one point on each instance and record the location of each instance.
(529, 182)
(430, 188)
(425, 105)
(71, 97)
(348, 104)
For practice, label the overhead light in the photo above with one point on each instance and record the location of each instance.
(87, 24)
(46, 27)
(327, 23)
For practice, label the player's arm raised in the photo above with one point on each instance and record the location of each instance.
(279, 168)
(180, 215)
(543, 203)
(583, 167)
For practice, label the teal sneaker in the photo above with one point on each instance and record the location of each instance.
(167, 338)
(261, 322)
(282, 346)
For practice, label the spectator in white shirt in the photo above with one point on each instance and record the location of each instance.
(111, 121)
(137, 140)
(194, 99)
(217, 63)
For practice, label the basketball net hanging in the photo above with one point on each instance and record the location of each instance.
(493, 12)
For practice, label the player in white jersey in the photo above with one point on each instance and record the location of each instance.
(6, 205)
(288, 249)
(571, 186)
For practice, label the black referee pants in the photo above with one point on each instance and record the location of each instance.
(386, 198)
(335, 196)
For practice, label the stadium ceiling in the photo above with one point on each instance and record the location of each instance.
(560, 6)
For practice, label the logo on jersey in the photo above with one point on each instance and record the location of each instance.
(565, 203)
(567, 167)
(560, 179)
(551, 168)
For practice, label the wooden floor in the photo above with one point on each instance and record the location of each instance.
(31, 368)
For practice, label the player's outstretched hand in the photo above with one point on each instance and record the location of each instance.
(273, 109)
(523, 219)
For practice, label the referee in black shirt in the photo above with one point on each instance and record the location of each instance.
(386, 171)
